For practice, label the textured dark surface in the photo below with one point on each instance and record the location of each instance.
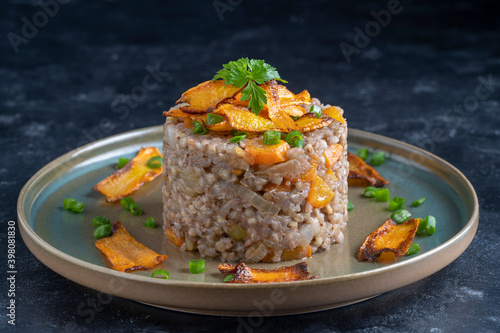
(68, 85)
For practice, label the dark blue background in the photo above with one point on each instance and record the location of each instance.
(66, 87)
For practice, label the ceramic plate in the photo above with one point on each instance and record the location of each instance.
(63, 240)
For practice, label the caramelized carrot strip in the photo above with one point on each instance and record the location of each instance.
(332, 155)
(125, 253)
(206, 96)
(320, 193)
(243, 119)
(390, 237)
(131, 177)
(172, 238)
(310, 122)
(361, 174)
(335, 113)
(244, 274)
(300, 252)
(266, 154)
(279, 117)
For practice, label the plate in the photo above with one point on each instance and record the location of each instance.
(63, 240)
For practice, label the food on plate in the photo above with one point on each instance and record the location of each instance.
(125, 253)
(241, 273)
(256, 176)
(390, 237)
(361, 174)
(142, 168)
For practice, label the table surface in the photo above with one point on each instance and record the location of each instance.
(427, 74)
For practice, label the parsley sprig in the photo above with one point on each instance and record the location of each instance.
(250, 73)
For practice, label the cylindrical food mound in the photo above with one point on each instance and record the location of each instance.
(218, 201)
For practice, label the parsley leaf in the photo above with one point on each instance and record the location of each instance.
(250, 73)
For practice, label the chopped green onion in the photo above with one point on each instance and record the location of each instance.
(135, 209)
(69, 203)
(382, 194)
(126, 202)
(99, 220)
(294, 118)
(228, 278)
(418, 202)
(272, 137)
(236, 231)
(397, 203)
(362, 153)
(199, 128)
(370, 191)
(413, 249)
(316, 110)
(102, 231)
(213, 119)
(78, 207)
(150, 222)
(235, 132)
(160, 273)
(295, 139)
(378, 158)
(430, 227)
(400, 216)
(350, 206)
(238, 138)
(122, 161)
(155, 162)
(196, 266)
(421, 227)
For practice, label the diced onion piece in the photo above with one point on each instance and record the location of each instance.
(189, 182)
(256, 253)
(236, 232)
(125, 253)
(247, 195)
(131, 177)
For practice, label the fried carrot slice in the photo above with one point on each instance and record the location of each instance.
(131, 177)
(276, 113)
(176, 113)
(390, 237)
(310, 122)
(294, 110)
(243, 119)
(320, 193)
(300, 252)
(172, 238)
(204, 97)
(266, 154)
(287, 98)
(335, 113)
(361, 174)
(332, 155)
(244, 274)
(125, 253)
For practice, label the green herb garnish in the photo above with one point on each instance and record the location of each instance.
(150, 222)
(160, 273)
(213, 119)
(122, 161)
(102, 231)
(400, 216)
(155, 162)
(378, 158)
(199, 128)
(250, 73)
(196, 266)
(272, 137)
(295, 139)
(228, 278)
(362, 153)
(418, 202)
(350, 206)
(135, 209)
(316, 110)
(73, 205)
(99, 220)
(413, 249)
(126, 202)
(397, 203)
